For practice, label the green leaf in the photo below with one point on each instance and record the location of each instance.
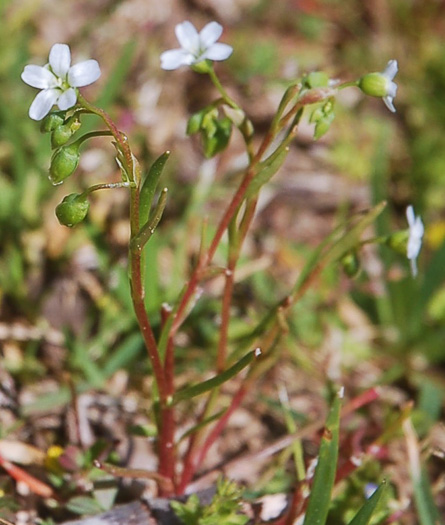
(366, 511)
(351, 238)
(202, 424)
(216, 136)
(83, 505)
(189, 512)
(426, 508)
(195, 122)
(149, 187)
(324, 478)
(268, 168)
(214, 382)
(147, 230)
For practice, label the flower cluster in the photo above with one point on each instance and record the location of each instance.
(58, 81)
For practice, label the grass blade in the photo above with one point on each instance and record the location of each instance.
(324, 478)
(427, 511)
(367, 510)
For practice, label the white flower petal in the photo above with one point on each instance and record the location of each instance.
(187, 36)
(388, 103)
(416, 231)
(43, 102)
(175, 58)
(84, 73)
(60, 59)
(67, 99)
(391, 69)
(217, 52)
(39, 77)
(410, 216)
(210, 34)
(391, 89)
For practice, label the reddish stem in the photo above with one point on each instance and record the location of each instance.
(167, 450)
(196, 461)
(137, 295)
(225, 317)
(205, 261)
(35, 485)
(167, 434)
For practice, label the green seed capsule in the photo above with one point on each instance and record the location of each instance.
(63, 163)
(72, 210)
(351, 264)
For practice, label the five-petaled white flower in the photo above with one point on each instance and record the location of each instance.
(391, 87)
(416, 231)
(58, 80)
(195, 47)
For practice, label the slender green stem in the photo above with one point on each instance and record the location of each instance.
(227, 98)
(93, 134)
(245, 127)
(351, 83)
(120, 137)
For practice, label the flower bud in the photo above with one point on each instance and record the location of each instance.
(63, 163)
(398, 241)
(381, 84)
(219, 138)
(62, 134)
(52, 121)
(317, 79)
(322, 117)
(195, 122)
(323, 124)
(351, 264)
(72, 210)
(374, 84)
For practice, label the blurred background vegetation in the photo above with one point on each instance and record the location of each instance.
(64, 301)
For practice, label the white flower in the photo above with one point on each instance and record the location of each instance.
(58, 80)
(391, 87)
(416, 231)
(381, 84)
(195, 47)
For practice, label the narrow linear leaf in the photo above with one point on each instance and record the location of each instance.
(214, 382)
(324, 478)
(351, 238)
(268, 168)
(426, 508)
(149, 187)
(201, 425)
(365, 513)
(150, 226)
